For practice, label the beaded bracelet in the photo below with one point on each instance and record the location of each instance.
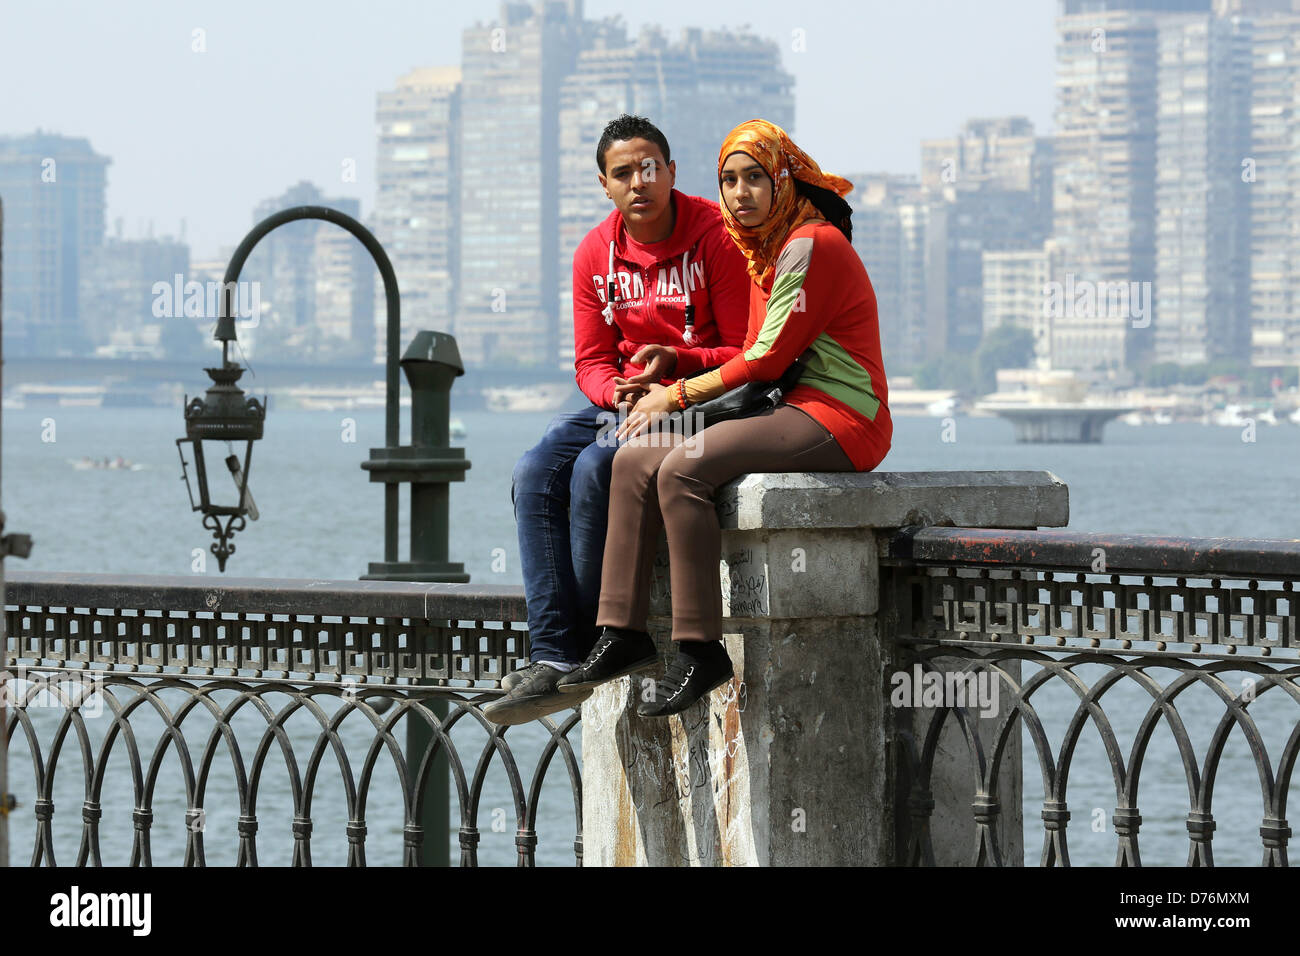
(679, 390)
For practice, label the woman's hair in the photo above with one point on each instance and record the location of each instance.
(835, 208)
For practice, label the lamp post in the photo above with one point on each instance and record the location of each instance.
(224, 414)
(432, 362)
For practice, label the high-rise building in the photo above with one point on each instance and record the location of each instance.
(889, 233)
(417, 198)
(344, 294)
(512, 71)
(1202, 206)
(1274, 204)
(1001, 152)
(487, 179)
(1254, 8)
(1104, 174)
(1015, 284)
(986, 190)
(695, 89)
(124, 313)
(53, 188)
(315, 285)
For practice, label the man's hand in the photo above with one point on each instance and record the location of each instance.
(659, 360)
(654, 404)
(627, 392)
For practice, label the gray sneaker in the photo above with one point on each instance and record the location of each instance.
(533, 695)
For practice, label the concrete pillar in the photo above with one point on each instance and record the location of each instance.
(790, 763)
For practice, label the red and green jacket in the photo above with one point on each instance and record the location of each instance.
(821, 298)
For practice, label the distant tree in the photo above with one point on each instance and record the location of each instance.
(949, 371)
(1227, 366)
(1162, 374)
(1259, 382)
(1006, 346)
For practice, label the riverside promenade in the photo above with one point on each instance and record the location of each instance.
(870, 617)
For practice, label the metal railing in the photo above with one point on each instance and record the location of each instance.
(1119, 609)
(260, 653)
(241, 660)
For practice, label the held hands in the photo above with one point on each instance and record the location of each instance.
(659, 360)
(649, 409)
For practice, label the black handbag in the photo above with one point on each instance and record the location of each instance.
(752, 398)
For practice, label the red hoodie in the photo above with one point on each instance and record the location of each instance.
(652, 284)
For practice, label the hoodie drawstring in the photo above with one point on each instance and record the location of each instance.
(688, 333)
(610, 282)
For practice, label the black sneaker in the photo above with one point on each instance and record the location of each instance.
(514, 677)
(617, 653)
(692, 674)
(533, 695)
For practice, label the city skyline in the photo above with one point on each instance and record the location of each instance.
(1146, 199)
(172, 163)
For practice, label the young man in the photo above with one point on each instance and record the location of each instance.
(659, 291)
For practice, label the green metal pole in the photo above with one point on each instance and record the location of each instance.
(430, 428)
(431, 365)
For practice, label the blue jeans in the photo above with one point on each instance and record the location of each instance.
(560, 492)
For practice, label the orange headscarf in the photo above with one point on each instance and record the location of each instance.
(782, 160)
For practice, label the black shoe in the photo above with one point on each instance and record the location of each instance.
(617, 653)
(694, 672)
(533, 695)
(514, 677)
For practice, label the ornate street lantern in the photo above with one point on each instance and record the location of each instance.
(224, 414)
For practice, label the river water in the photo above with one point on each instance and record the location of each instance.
(320, 517)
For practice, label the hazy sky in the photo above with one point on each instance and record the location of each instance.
(286, 89)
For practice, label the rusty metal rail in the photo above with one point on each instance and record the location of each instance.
(1209, 625)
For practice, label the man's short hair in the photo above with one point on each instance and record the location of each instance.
(629, 127)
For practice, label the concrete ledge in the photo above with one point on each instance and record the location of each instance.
(891, 499)
(795, 760)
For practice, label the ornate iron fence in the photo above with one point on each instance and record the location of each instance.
(988, 602)
(134, 650)
(1088, 615)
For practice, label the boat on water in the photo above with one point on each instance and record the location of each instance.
(1238, 414)
(329, 398)
(86, 463)
(546, 397)
(935, 403)
(1147, 416)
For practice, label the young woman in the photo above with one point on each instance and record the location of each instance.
(810, 291)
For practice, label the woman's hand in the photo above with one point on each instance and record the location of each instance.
(652, 406)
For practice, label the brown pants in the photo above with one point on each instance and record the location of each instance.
(661, 482)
